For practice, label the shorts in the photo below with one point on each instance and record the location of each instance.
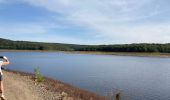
(1, 77)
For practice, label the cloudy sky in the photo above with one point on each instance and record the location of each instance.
(86, 21)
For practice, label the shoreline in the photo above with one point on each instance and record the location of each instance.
(57, 87)
(135, 54)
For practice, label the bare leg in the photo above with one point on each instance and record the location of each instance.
(2, 90)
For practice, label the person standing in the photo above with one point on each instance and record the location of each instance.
(4, 62)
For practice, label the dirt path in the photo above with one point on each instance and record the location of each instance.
(19, 87)
(16, 88)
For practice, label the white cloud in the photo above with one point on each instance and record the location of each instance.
(107, 8)
(118, 20)
(22, 28)
(142, 33)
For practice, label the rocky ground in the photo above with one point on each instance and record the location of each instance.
(19, 86)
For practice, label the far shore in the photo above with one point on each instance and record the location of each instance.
(138, 54)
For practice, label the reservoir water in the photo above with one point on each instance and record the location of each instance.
(137, 78)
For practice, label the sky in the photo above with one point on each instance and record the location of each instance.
(86, 21)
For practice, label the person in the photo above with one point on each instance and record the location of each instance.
(4, 62)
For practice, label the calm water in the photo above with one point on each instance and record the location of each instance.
(138, 78)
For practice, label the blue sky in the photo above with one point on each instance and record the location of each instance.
(86, 21)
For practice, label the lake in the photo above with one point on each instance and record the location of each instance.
(138, 78)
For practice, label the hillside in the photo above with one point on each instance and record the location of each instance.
(27, 45)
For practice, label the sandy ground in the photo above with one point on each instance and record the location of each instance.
(19, 87)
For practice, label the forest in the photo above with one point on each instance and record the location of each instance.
(27, 45)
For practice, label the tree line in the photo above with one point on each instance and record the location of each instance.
(26, 45)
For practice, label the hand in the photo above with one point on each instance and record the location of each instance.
(5, 60)
(4, 57)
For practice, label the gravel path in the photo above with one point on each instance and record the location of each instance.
(19, 87)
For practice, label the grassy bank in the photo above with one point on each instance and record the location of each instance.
(55, 86)
(139, 54)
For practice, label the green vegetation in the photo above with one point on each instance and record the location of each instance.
(38, 76)
(26, 45)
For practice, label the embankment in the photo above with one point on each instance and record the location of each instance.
(22, 86)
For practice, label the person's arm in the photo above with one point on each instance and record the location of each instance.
(5, 60)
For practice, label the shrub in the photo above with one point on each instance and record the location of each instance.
(38, 76)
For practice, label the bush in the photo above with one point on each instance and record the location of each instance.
(38, 76)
